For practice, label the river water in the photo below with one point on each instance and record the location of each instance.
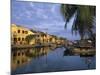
(48, 59)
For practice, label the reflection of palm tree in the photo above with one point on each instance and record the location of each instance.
(87, 61)
(84, 17)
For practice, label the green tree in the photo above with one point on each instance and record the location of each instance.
(29, 38)
(83, 18)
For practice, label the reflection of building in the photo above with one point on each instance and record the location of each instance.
(19, 34)
(23, 56)
(88, 61)
(19, 58)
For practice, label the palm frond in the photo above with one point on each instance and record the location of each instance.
(68, 11)
(83, 20)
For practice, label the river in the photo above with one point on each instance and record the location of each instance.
(48, 59)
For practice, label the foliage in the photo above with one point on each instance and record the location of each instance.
(83, 20)
(29, 38)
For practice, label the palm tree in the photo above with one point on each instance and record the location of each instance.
(93, 39)
(83, 18)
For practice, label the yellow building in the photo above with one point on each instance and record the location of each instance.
(52, 39)
(42, 38)
(36, 39)
(18, 34)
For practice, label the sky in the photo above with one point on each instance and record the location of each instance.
(46, 17)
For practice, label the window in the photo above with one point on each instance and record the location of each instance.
(26, 32)
(19, 39)
(23, 31)
(37, 35)
(22, 39)
(18, 54)
(20, 42)
(15, 39)
(14, 54)
(18, 31)
(22, 53)
(18, 62)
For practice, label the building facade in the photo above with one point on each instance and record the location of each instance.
(18, 34)
(24, 36)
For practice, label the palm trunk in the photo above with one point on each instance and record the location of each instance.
(82, 37)
(66, 23)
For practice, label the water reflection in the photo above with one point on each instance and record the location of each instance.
(81, 53)
(23, 56)
(49, 59)
(86, 58)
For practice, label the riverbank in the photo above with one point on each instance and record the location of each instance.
(35, 46)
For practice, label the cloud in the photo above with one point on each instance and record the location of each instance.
(53, 9)
(31, 4)
(41, 16)
(28, 14)
(45, 16)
